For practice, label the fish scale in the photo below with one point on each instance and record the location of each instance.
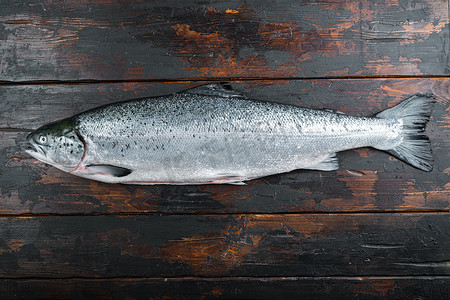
(213, 135)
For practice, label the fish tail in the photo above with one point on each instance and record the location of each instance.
(414, 147)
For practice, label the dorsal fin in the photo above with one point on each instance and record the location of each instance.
(333, 111)
(215, 89)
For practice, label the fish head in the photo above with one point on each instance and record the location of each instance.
(58, 144)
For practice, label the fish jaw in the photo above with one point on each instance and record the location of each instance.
(38, 152)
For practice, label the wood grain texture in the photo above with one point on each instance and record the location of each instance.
(234, 245)
(230, 288)
(115, 40)
(375, 229)
(368, 180)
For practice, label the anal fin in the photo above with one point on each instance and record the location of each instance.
(227, 181)
(186, 183)
(329, 163)
(238, 183)
(228, 178)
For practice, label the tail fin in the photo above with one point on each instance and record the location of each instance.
(415, 147)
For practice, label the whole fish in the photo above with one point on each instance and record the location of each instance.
(213, 134)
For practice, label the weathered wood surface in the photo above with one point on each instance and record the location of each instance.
(376, 228)
(369, 180)
(230, 288)
(232, 245)
(116, 40)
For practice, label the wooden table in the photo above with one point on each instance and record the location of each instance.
(376, 228)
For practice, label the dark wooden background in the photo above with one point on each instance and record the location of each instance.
(374, 229)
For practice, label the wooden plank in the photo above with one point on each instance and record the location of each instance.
(230, 288)
(234, 245)
(115, 40)
(367, 181)
(386, 183)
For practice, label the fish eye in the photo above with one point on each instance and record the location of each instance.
(42, 139)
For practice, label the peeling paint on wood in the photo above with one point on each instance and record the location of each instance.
(279, 237)
(215, 246)
(230, 288)
(69, 40)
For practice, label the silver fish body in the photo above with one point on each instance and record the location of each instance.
(211, 135)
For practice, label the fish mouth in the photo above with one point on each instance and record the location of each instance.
(37, 152)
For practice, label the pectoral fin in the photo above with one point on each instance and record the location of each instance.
(108, 170)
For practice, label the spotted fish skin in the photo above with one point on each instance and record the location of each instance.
(213, 135)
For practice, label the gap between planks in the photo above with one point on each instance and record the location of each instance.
(219, 214)
(231, 278)
(213, 79)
